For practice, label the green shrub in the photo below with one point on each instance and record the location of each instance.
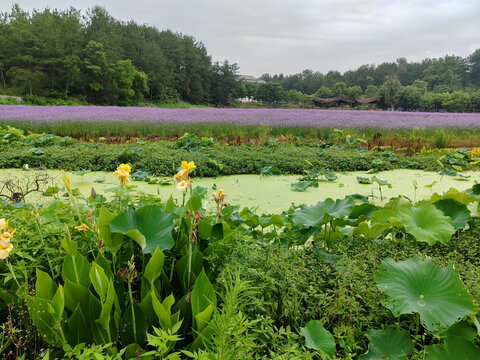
(162, 158)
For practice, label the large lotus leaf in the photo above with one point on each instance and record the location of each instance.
(458, 212)
(313, 216)
(427, 223)
(397, 203)
(150, 226)
(416, 286)
(371, 231)
(318, 338)
(392, 344)
(386, 216)
(460, 196)
(454, 348)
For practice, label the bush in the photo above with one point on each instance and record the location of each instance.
(162, 158)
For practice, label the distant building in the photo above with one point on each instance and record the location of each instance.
(250, 79)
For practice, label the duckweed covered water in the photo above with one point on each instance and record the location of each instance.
(272, 194)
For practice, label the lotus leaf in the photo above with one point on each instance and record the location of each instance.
(427, 223)
(460, 196)
(318, 338)
(150, 226)
(310, 216)
(416, 286)
(458, 212)
(454, 348)
(392, 344)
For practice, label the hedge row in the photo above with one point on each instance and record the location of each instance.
(163, 158)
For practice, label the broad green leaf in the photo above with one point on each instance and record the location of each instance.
(76, 294)
(154, 266)
(364, 180)
(42, 316)
(202, 319)
(303, 185)
(362, 210)
(48, 213)
(76, 269)
(462, 329)
(416, 286)
(203, 295)
(454, 348)
(427, 223)
(104, 319)
(150, 226)
(77, 331)
(45, 287)
(162, 312)
(105, 264)
(315, 216)
(181, 268)
(58, 302)
(204, 229)
(112, 242)
(382, 182)
(99, 280)
(99, 334)
(133, 331)
(460, 196)
(318, 338)
(194, 203)
(458, 212)
(371, 231)
(69, 246)
(391, 344)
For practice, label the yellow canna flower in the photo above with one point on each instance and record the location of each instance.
(123, 173)
(67, 183)
(5, 239)
(181, 175)
(125, 168)
(183, 186)
(220, 192)
(82, 227)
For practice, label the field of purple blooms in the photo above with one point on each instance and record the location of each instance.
(223, 122)
(249, 117)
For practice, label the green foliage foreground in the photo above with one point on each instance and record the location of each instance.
(140, 278)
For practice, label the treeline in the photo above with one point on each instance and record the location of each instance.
(451, 83)
(101, 60)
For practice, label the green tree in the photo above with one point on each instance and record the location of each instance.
(340, 89)
(225, 83)
(96, 71)
(293, 97)
(390, 90)
(324, 93)
(409, 97)
(270, 92)
(474, 67)
(459, 101)
(354, 91)
(371, 91)
(475, 99)
(443, 71)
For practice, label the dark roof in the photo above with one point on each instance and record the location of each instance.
(367, 100)
(347, 100)
(331, 100)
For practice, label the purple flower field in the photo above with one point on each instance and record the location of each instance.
(253, 117)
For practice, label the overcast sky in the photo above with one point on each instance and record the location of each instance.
(287, 36)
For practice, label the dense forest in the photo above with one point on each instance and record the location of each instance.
(60, 54)
(95, 58)
(451, 82)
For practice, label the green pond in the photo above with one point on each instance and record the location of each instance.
(271, 194)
